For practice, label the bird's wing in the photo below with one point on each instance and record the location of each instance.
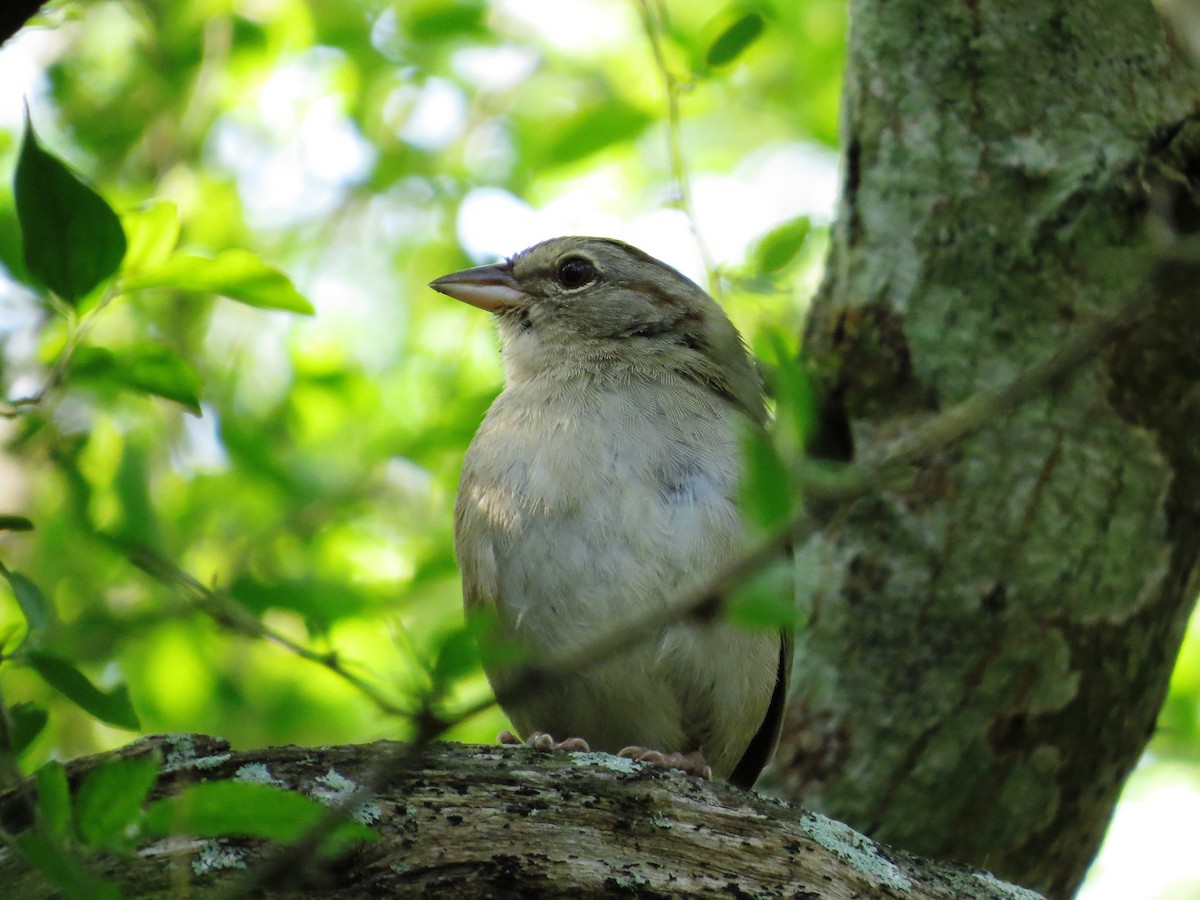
(762, 745)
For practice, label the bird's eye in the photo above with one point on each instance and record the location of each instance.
(575, 272)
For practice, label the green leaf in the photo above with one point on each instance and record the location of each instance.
(795, 397)
(143, 368)
(113, 707)
(768, 599)
(596, 128)
(765, 488)
(15, 523)
(497, 648)
(62, 869)
(139, 523)
(73, 241)
(781, 244)
(54, 799)
(428, 25)
(38, 612)
(153, 231)
(236, 274)
(12, 256)
(110, 800)
(457, 657)
(26, 721)
(732, 42)
(227, 808)
(321, 601)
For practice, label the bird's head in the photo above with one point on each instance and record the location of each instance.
(591, 302)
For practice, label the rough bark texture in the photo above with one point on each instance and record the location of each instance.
(990, 645)
(499, 822)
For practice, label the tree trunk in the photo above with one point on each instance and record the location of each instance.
(989, 645)
(501, 822)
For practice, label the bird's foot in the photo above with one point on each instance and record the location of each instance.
(692, 763)
(539, 740)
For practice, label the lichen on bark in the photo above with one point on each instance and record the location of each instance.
(989, 644)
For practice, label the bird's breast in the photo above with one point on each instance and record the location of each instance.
(573, 509)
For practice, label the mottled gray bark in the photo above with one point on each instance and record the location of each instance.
(500, 822)
(989, 645)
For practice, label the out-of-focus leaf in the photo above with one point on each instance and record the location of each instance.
(15, 523)
(765, 487)
(733, 41)
(457, 656)
(1177, 736)
(1178, 729)
(321, 601)
(496, 648)
(113, 707)
(596, 128)
(237, 274)
(110, 800)
(53, 799)
(781, 244)
(251, 451)
(62, 869)
(227, 808)
(53, 16)
(152, 231)
(26, 721)
(768, 600)
(437, 22)
(72, 239)
(144, 368)
(139, 524)
(38, 612)
(795, 398)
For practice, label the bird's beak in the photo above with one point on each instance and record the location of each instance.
(489, 287)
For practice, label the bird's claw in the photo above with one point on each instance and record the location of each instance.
(691, 763)
(539, 740)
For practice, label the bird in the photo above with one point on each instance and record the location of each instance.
(603, 483)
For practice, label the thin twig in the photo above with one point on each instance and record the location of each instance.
(78, 330)
(228, 612)
(653, 15)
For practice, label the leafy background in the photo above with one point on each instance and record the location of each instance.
(364, 148)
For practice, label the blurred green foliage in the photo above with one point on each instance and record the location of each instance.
(303, 468)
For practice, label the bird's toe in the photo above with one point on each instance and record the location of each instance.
(691, 763)
(540, 740)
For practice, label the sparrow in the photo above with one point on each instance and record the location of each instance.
(602, 483)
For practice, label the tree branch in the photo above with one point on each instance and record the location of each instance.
(483, 821)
